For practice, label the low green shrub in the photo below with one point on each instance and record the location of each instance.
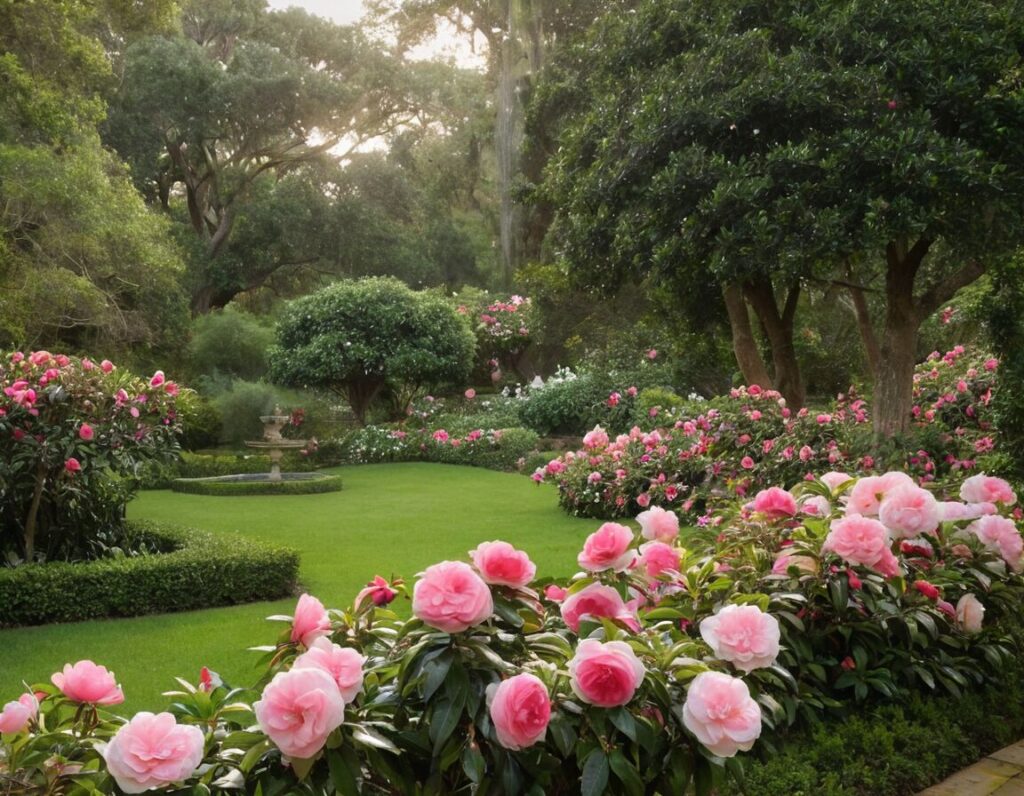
(306, 486)
(198, 570)
(891, 750)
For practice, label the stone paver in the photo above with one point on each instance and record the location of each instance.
(999, 774)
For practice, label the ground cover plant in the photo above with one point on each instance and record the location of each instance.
(651, 669)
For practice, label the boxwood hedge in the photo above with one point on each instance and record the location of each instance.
(197, 570)
(890, 750)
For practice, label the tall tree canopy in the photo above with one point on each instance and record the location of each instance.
(83, 263)
(242, 94)
(762, 145)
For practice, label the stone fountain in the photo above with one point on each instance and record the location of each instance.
(273, 443)
(274, 482)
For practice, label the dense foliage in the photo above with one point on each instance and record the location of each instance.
(72, 435)
(179, 569)
(771, 149)
(660, 661)
(694, 456)
(363, 337)
(312, 484)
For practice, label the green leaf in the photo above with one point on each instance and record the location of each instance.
(624, 720)
(594, 779)
(342, 775)
(473, 763)
(626, 773)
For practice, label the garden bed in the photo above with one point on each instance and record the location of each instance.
(259, 484)
(198, 570)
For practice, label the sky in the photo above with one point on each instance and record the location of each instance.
(447, 44)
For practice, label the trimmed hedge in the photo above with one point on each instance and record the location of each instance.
(199, 570)
(891, 750)
(210, 486)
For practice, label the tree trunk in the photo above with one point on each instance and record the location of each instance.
(894, 378)
(31, 521)
(744, 346)
(779, 329)
(864, 325)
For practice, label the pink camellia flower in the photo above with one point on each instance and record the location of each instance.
(803, 563)
(596, 438)
(440, 435)
(815, 506)
(605, 674)
(970, 613)
(87, 682)
(608, 548)
(909, 511)
(775, 503)
(1000, 533)
(378, 590)
(643, 500)
(171, 389)
(657, 558)
(209, 680)
(451, 597)
(107, 366)
(744, 635)
(864, 541)
(16, 715)
(85, 432)
(152, 751)
(951, 511)
(72, 465)
(555, 593)
(946, 608)
(500, 564)
(311, 620)
(867, 493)
(470, 394)
(652, 354)
(983, 488)
(158, 379)
(834, 479)
(597, 601)
(927, 589)
(520, 710)
(721, 714)
(343, 664)
(658, 524)
(747, 463)
(299, 709)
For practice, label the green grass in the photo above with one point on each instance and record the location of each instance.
(390, 519)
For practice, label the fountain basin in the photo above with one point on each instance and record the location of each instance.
(259, 484)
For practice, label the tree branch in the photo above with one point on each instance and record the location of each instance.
(941, 292)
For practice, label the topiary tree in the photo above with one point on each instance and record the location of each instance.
(357, 338)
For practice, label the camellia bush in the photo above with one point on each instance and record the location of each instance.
(652, 670)
(73, 434)
(749, 439)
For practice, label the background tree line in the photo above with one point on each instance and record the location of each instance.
(772, 192)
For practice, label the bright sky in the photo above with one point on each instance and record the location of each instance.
(447, 44)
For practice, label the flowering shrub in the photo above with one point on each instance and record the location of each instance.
(626, 679)
(499, 449)
(503, 328)
(750, 439)
(71, 431)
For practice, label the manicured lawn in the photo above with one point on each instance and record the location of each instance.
(389, 519)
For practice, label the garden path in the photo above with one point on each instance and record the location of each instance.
(999, 774)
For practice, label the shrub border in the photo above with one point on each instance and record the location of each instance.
(890, 749)
(202, 570)
(220, 488)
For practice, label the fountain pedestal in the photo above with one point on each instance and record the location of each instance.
(273, 443)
